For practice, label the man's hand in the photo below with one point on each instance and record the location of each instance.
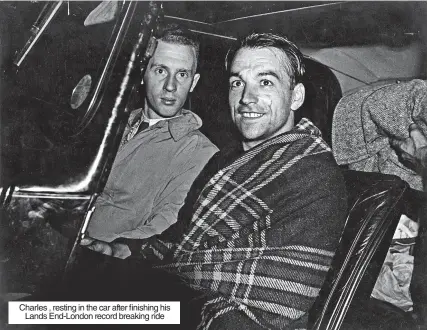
(117, 250)
(413, 150)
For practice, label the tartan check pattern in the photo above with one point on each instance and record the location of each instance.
(228, 248)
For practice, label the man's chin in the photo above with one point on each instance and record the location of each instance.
(168, 112)
(253, 138)
(251, 135)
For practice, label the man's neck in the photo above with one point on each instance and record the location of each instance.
(250, 144)
(148, 117)
(149, 113)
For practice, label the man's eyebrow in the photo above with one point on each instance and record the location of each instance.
(166, 67)
(268, 73)
(153, 64)
(260, 74)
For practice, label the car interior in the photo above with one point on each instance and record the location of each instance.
(59, 101)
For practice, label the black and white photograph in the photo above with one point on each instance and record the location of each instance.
(213, 165)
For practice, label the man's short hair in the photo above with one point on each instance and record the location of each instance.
(175, 34)
(262, 40)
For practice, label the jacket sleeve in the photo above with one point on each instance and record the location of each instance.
(172, 197)
(185, 167)
(154, 248)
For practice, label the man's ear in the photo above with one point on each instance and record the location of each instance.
(298, 96)
(195, 80)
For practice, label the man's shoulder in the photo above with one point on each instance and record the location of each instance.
(298, 143)
(320, 174)
(195, 145)
(195, 122)
(307, 155)
(203, 142)
(312, 135)
(320, 162)
(315, 156)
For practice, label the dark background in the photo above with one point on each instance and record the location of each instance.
(36, 118)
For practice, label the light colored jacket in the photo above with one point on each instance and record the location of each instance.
(150, 178)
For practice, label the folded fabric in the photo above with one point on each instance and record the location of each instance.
(366, 120)
(406, 228)
(393, 283)
(105, 12)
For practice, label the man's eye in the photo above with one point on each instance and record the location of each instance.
(160, 71)
(236, 84)
(182, 74)
(266, 82)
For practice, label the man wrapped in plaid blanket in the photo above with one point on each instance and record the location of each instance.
(261, 234)
(263, 231)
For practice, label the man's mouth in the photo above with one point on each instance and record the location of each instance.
(251, 114)
(168, 101)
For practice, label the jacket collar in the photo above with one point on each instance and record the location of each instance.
(178, 126)
(183, 125)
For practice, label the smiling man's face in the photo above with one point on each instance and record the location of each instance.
(260, 95)
(170, 76)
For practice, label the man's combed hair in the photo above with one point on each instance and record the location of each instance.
(176, 34)
(262, 40)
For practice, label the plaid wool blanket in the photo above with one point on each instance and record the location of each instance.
(263, 231)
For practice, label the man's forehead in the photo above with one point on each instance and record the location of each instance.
(260, 59)
(174, 54)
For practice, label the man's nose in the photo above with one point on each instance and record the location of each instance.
(170, 84)
(248, 95)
